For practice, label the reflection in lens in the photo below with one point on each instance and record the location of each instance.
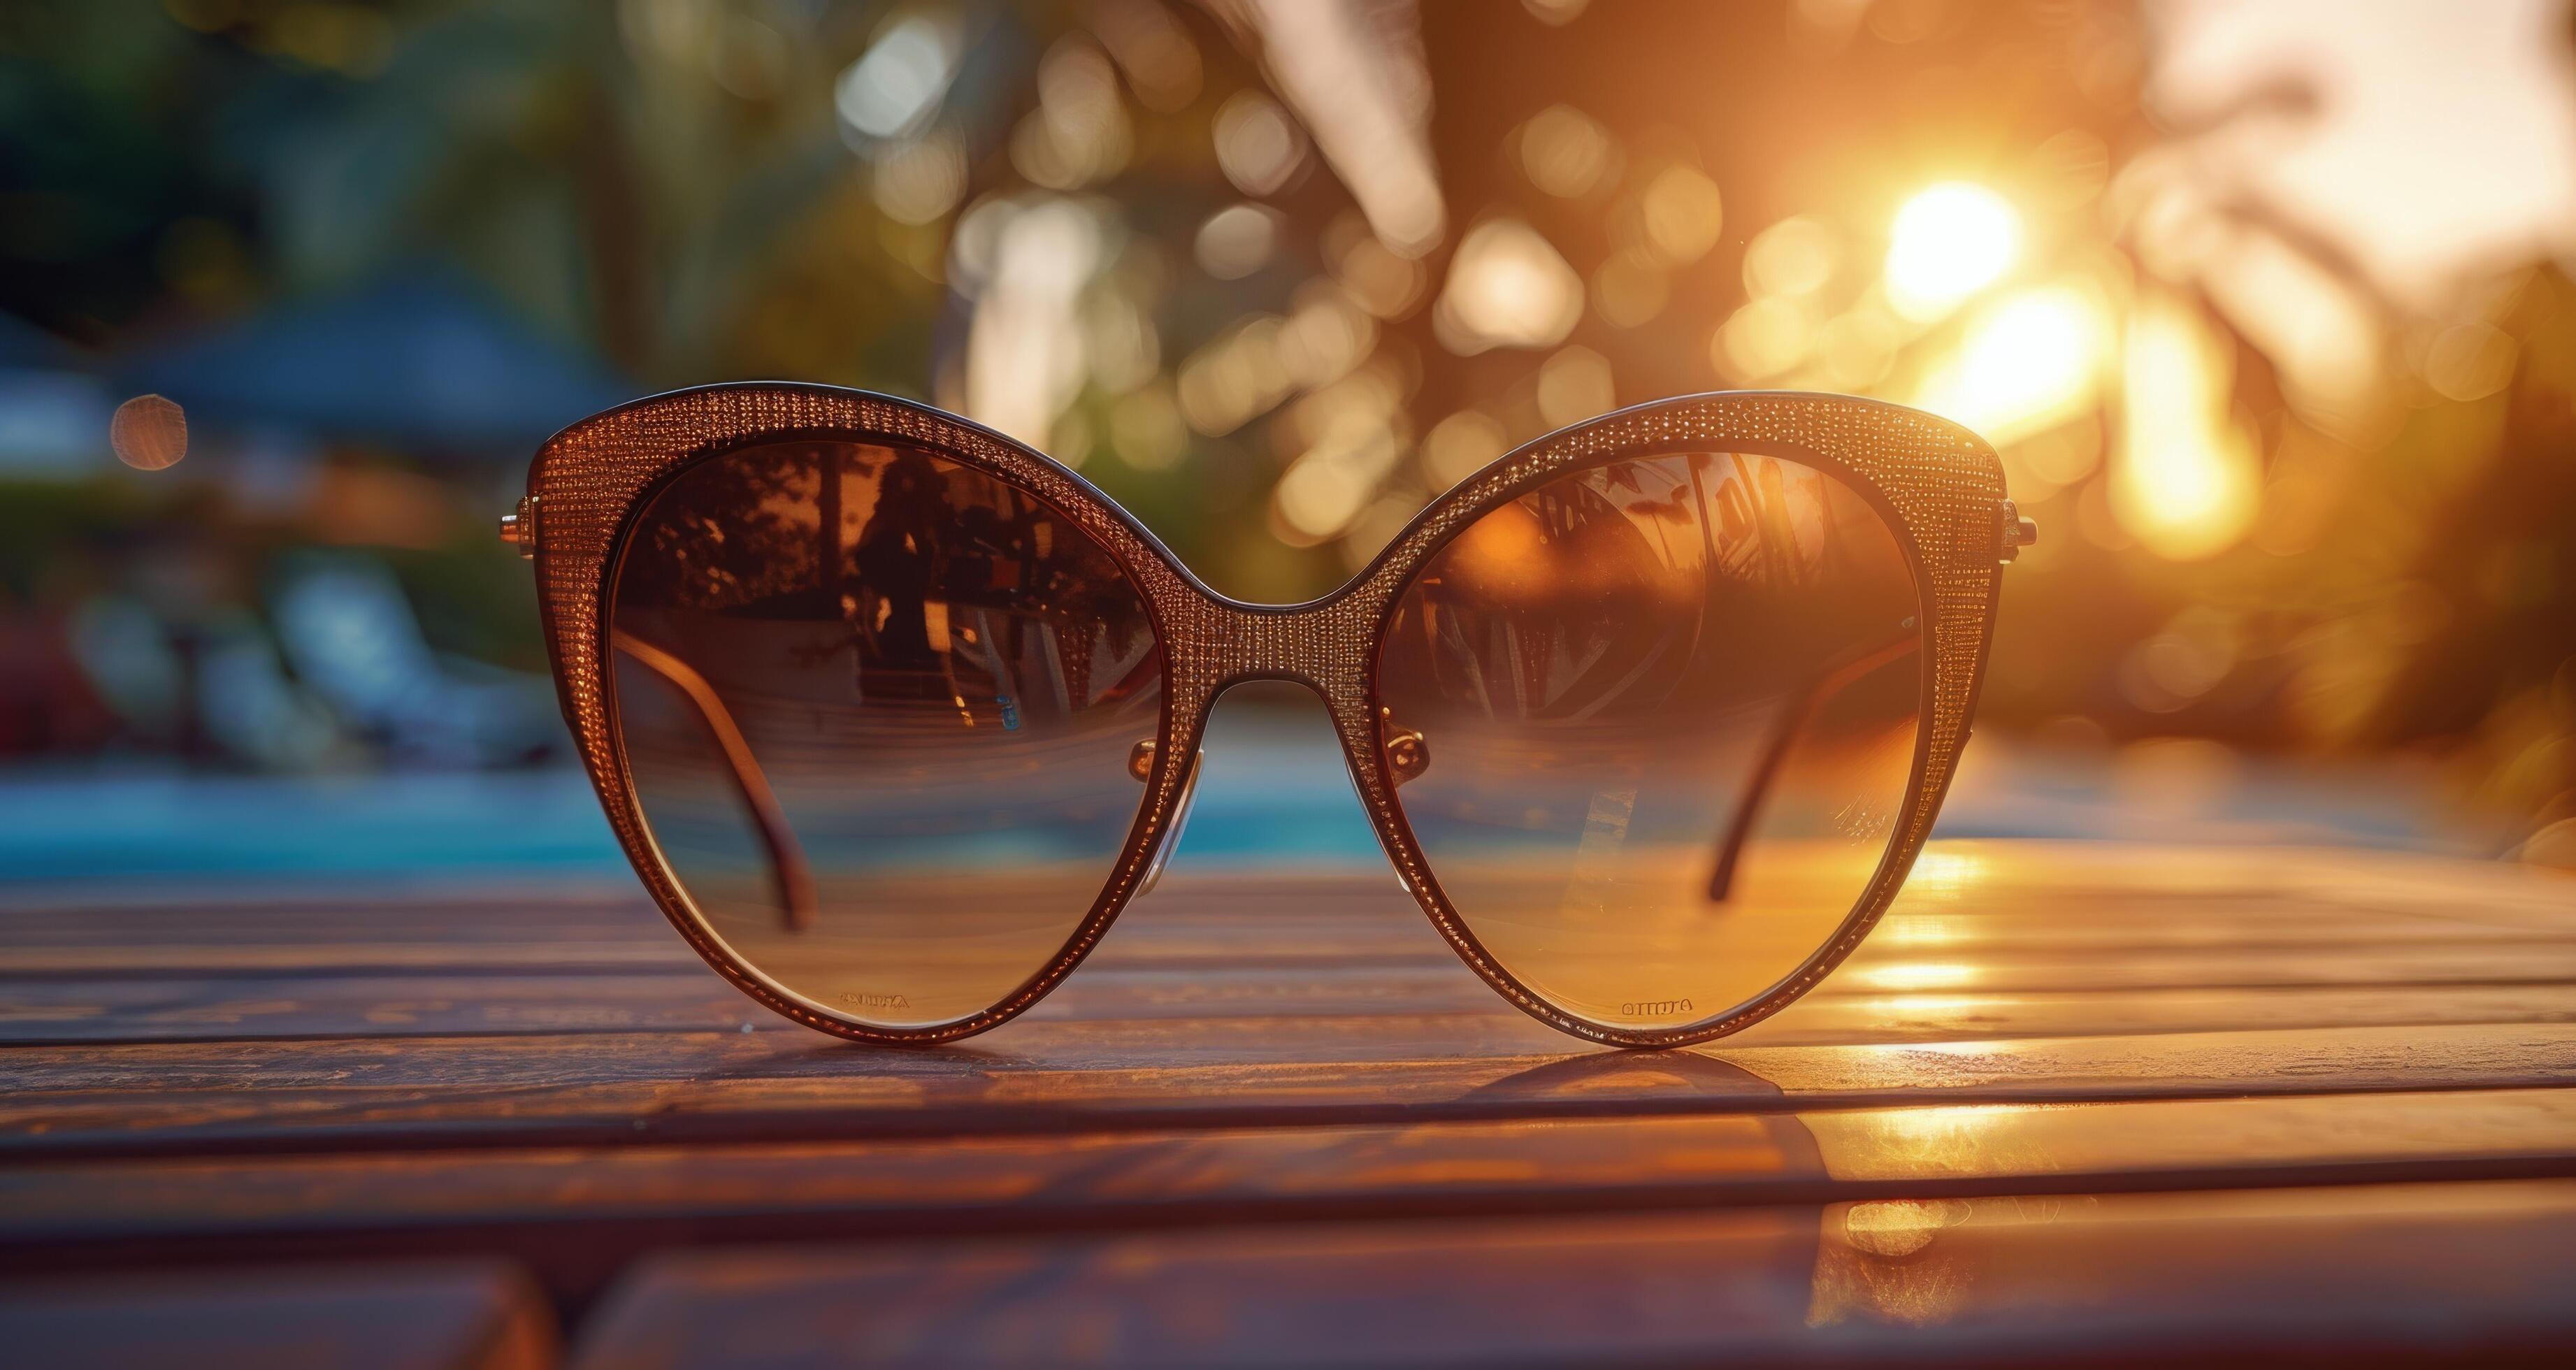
(878, 708)
(1666, 714)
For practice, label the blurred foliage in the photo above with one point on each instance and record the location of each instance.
(1275, 389)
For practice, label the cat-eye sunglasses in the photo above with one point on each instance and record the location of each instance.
(894, 715)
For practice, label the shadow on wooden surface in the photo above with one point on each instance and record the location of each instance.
(2068, 1098)
(474, 1315)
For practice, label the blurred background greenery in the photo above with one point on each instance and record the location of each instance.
(2267, 308)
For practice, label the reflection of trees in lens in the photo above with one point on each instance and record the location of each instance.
(927, 557)
(728, 533)
(1609, 584)
(937, 676)
(1669, 706)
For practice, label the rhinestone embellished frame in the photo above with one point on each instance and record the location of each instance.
(1938, 483)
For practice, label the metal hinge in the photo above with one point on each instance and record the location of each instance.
(2012, 531)
(519, 529)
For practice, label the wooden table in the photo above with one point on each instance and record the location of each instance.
(2118, 1103)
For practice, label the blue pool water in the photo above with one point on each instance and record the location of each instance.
(1274, 791)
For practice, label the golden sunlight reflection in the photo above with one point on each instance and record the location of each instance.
(1899, 1227)
(1877, 1262)
(1948, 242)
(1943, 872)
(1903, 976)
(2030, 362)
(1917, 1143)
(1507, 287)
(1929, 1008)
(1916, 930)
(2184, 480)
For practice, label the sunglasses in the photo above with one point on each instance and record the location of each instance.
(894, 715)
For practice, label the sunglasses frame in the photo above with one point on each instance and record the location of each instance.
(1938, 485)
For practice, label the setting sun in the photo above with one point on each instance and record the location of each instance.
(2028, 363)
(1948, 242)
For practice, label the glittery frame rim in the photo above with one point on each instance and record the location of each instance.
(1938, 484)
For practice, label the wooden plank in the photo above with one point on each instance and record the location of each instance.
(1130, 1179)
(1318, 907)
(241, 1008)
(2459, 1273)
(464, 1069)
(2009, 902)
(1880, 970)
(482, 1315)
(1258, 1008)
(83, 1100)
(2017, 942)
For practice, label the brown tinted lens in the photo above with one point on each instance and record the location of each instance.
(878, 709)
(1667, 713)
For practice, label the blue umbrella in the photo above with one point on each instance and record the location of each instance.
(24, 346)
(420, 360)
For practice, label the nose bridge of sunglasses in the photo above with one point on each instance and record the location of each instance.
(1140, 764)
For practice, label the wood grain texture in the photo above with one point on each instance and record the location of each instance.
(1276, 1174)
(473, 1315)
(2466, 1274)
(2164, 1102)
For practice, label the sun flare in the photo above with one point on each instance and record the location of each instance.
(1948, 242)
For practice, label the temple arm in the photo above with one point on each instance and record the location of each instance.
(786, 858)
(1824, 685)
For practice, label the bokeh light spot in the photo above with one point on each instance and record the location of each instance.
(2030, 362)
(1683, 215)
(1565, 152)
(896, 86)
(1237, 241)
(2185, 480)
(1507, 288)
(1461, 445)
(1764, 339)
(1574, 385)
(1257, 145)
(2470, 361)
(1792, 257)
(149, 433)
